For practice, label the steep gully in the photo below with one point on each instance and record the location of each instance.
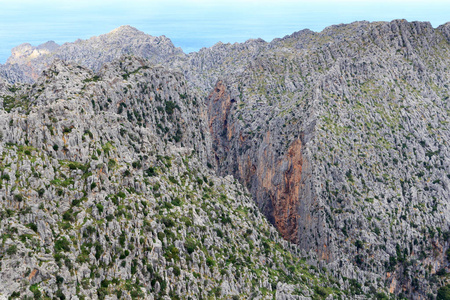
(275, 182)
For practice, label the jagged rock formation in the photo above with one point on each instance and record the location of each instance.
(13, 73)
(339, 136)
(105, 193)
(365, 106)
(92, 53)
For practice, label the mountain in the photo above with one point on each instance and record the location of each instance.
(342, 139)
(105, 194)
(92, 53)
(339, 138)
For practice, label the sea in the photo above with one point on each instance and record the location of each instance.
(192, 25)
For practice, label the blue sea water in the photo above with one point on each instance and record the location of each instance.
(195, 24)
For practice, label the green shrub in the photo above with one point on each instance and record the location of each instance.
(133, 267)
(11, 250)
(210, 261)
(75, 202)
(186, 220)
(60, 294)
(172, 253)
(219, 232)
(225, 220)
(93, 79)
(170, 106)
(151, 171)
(41, 192)
(35, 290)
(359, 244)
(176, 271)
(377, 230)
(443, 293)
(441, 272)
(107, 148)
(446, 235)
(190, 245)
(168, 222)
(32, 226)
(381, 296)
(111, 163)
(73, 165)
(14, 295)
(62, 245)
(176, 201)
(161, 236)
(98, 250)
(99, 207)
(173, 180)
(122, 239)
(89, 133)
(67, 130)
(68, 216)
(321, 291)
(67, 182)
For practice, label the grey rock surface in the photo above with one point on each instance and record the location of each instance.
(106, 194)
(340, 137)
(27, 62)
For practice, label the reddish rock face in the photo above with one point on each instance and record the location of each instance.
(283, 194)
(286, 196)
(218, 111)
(278, 175)
(275, 181)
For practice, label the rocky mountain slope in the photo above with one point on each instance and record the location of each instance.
(106, 194)
(341, 137)
(28, 61)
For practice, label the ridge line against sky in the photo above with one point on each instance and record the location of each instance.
(192, 25)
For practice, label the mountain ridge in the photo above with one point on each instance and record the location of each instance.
(114, 44)
(99, 201)
(32, 52)
(340, 137)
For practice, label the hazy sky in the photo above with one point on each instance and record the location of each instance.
(195, 24)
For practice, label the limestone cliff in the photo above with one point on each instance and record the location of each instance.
(105, 194)
(340, 136)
